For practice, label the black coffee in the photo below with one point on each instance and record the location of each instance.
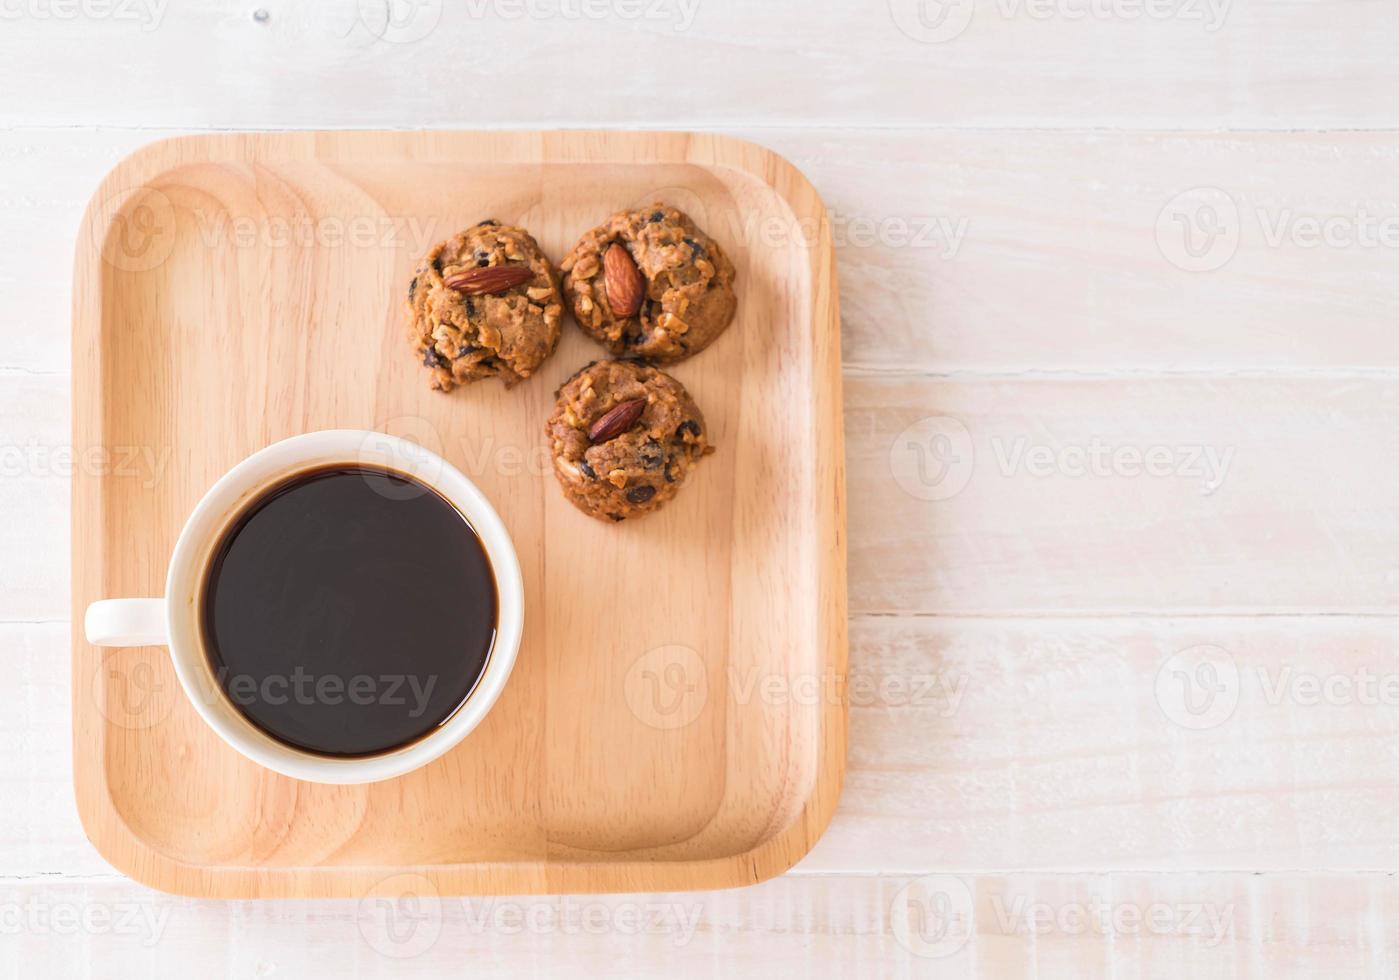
(349, 611)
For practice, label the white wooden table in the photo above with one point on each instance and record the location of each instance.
(1119, 281)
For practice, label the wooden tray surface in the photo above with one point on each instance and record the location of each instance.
(677, 715)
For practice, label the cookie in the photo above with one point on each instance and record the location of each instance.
(484, 304)
(624, 436)
(665, 292)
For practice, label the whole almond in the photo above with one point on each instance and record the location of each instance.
(617, 421)
(484, 280)
(624, 286)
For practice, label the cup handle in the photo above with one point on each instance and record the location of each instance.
(126, 623)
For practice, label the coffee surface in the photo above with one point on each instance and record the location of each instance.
(349, 611)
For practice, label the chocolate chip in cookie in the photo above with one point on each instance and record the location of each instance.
(624, 436)
(484, 304)
(649, 283)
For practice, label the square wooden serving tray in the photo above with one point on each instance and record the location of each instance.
(677, 716)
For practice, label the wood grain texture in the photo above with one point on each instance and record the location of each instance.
(1062, 744)
(1027, 63)
(955, 256)
(39, 830)
(589, 774)
(1059, 273)
(41, 849)
(36, 466)
(1121, 495)
(997, 745)
(1203, 925)
(1101, 251)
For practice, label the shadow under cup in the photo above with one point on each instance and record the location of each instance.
(348, 610)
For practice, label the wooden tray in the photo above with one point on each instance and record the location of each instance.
(677, 717)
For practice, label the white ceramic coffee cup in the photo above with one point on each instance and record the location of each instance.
(173, 620)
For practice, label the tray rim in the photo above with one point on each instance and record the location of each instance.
(122, 847)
